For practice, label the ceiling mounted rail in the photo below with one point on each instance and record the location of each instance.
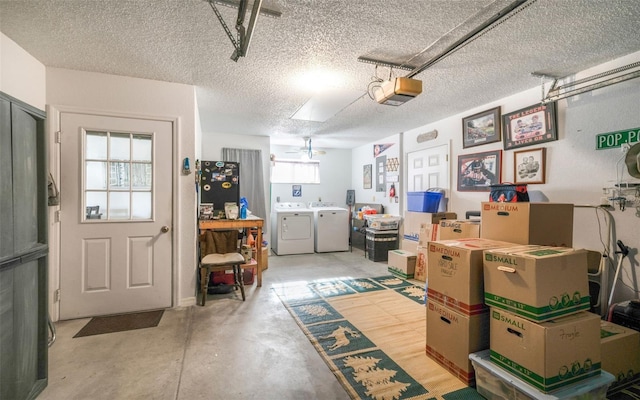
(388, 64)
(604, 79)
(241, 44)
(493, 20)
(473, 34)
(267, 12)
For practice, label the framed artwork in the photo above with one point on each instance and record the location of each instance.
(296, 190)
(529, 166)
(381, 176)
(481, 128)
(529, 126)
(476, 172)
(206, 211)
(366, 176)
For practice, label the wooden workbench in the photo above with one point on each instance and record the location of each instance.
(250, 222)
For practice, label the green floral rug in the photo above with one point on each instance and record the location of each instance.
(371, 333)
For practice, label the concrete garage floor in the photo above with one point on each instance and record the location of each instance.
(228, 349)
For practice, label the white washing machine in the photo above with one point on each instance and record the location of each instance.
(331, 227)
(292, 229)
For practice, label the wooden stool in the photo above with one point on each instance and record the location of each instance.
(221, 262)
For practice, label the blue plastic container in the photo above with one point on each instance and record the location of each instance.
(423, 201)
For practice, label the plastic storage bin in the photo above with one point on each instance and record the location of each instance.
(423, 201)
(492, 382)
(383, 222)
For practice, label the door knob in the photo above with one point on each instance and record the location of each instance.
(164, 229)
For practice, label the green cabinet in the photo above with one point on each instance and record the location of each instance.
(23, 251)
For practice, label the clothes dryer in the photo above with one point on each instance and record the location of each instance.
(292, 229)
(331, 227)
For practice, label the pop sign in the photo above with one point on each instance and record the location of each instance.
(617, 139)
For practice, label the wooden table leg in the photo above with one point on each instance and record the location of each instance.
(259, 257)
(204, 283)
(240, 279)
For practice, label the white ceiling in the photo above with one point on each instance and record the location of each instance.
(182, 41)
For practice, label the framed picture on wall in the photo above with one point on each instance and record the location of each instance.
(529, 166)
(478, 171)
(367, 172)
(481, 128)
(530, 126)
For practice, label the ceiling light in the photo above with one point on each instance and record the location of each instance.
(317, 81)
(324, 105)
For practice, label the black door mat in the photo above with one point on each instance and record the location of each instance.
(120, 323)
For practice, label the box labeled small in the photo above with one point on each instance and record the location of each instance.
(548, 355)
(537, 282)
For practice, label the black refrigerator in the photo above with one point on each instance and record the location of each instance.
(219, 184)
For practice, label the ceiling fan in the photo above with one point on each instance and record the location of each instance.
(307, 150)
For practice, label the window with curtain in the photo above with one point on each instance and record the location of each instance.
(251, 178)
(295, 171)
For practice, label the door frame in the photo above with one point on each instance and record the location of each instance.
(405, 172)
(53, 127)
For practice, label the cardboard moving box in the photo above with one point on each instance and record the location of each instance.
(547, 355)
(458, 229)
(620, 348)
(428, 233)
(422, 265)
(413, 221)
(537, 282)
(401, 263)
(456, 273)
(549, 224)
(452, 336)
(409, 245)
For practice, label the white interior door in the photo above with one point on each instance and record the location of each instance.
(428, 168)
(116, 214)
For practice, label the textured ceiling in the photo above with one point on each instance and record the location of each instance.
(182, 41)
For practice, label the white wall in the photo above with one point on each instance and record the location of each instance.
(141, 97)
(335, 178)
(21, 75)
(576, 172)
(364, 155)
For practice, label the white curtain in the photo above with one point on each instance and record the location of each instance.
(251, 178)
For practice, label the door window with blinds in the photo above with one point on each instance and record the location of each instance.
(118, 176)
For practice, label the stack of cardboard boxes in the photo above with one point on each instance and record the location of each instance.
(520, 291)
(417, 229)
(540, 329)
(457, 318)
(408, 262)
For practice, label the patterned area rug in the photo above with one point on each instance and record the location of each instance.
(372, 332)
